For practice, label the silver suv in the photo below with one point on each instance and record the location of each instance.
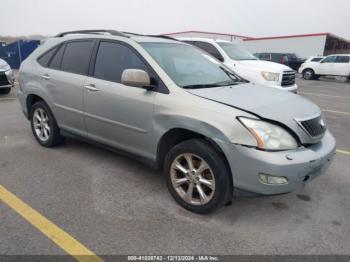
(173, 106)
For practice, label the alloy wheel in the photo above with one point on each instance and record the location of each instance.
(192, 179)
(41, 124)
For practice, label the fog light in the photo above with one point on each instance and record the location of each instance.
(272, 180)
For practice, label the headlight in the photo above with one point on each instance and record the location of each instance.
(269, 136)
(269, 76)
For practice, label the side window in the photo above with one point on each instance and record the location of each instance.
(276, 57)
(342, 59)
(264, 56)
(316, 59)
(329, 59)
(45, 58)
(57, 58)
(76, 57)
(113, 58)
(209, 48)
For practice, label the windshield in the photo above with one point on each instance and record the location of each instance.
(235, 52)
(189, 67)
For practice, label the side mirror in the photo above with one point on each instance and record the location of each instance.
(136, 78)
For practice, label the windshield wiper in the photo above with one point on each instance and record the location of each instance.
(218, 84)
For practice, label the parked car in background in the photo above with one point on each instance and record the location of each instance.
(175, 107)
(7, 78)
(246, 65)
(288, 59)
(332, 65)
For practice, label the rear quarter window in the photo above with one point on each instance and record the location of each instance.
(45, 58)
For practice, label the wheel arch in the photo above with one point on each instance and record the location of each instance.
(175, 136)
(308, 68)
(31, 99)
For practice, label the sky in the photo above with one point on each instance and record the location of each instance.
(254, 18)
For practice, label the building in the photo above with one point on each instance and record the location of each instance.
(305, 45)
(302, 45)
(15, 52)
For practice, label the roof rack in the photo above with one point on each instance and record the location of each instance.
(159, 36)
(111, 32)
(164, 36)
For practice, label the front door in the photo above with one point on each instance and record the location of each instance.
(327, 66)
(115, 114)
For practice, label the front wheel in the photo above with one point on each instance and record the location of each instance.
(44, 125)
(197, 176)
(308, 74)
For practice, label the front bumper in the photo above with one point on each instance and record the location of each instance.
(292, 88)
(7, 79)
(246, 163)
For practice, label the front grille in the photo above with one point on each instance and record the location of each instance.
(288, 78)
(314, 127)
(3, 79)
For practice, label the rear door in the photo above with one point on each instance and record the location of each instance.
(64, 79)
(342, 65)
(115, 114)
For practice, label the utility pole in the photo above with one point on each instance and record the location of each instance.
(19, 52)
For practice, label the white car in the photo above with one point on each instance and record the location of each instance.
(332, 65)
(246, 65)
(6, 77)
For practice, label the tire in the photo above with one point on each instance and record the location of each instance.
(213, 181)
(308, 74)
(5, 91)
(45, 131)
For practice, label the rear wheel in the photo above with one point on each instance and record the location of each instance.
(197, 176)
(44, 125)
(308, 74)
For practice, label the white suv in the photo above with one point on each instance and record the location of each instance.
(335, 65)
(246, 65)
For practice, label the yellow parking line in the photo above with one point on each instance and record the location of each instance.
(343, 152)
(53, 232)
(336, 112)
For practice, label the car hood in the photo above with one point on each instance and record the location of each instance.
(264, 65)
(267, 103)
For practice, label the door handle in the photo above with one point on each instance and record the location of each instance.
(92, 88)
(45, 76)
